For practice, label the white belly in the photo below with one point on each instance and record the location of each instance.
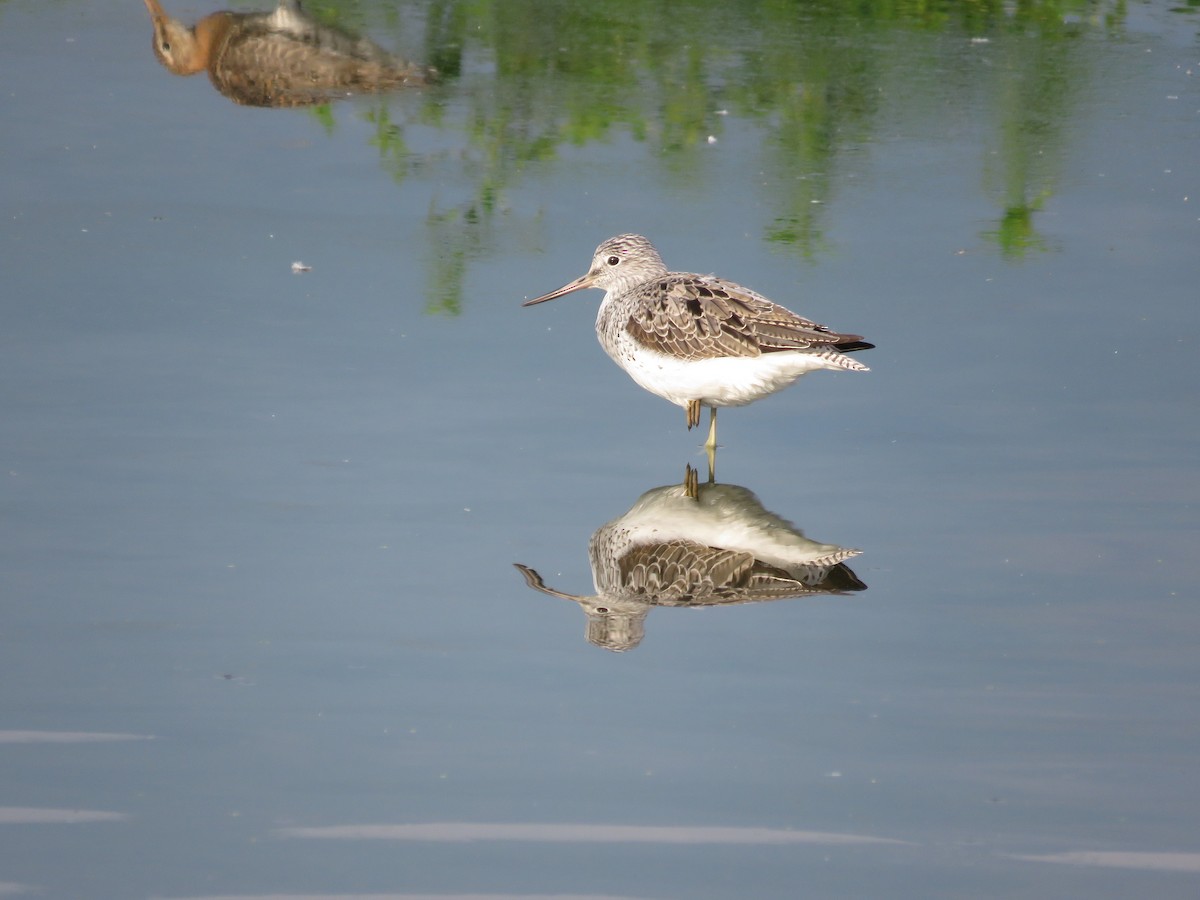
(725, 381)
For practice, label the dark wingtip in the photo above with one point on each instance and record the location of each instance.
(852, 346)
(841, 578)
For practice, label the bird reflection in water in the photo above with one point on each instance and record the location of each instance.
(280, 58)
(694, 545)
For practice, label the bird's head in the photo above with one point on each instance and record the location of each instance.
(175, 44)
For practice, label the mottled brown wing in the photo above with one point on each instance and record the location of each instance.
(702, 316)
(680, 573)
(679, 569)
(259, 67)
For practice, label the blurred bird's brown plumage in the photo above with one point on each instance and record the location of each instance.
(281, 58)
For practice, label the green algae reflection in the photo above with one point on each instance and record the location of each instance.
(822, 82)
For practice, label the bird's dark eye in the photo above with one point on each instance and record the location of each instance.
(613, 260)
(166, 47)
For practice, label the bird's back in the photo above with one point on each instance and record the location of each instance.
(285, 58)
(692, 317)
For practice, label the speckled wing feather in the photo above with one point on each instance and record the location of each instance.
(260, 66)
(680, 572)
(702, 316)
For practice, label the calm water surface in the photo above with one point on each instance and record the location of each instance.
(261, 631)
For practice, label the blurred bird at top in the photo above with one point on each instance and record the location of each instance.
(280, 58)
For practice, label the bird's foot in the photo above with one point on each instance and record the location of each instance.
(691, 482)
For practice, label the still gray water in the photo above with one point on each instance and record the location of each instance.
(262, 633)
